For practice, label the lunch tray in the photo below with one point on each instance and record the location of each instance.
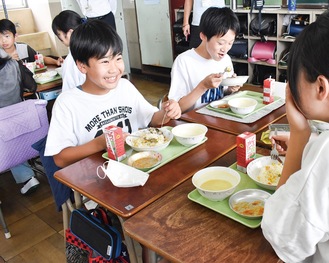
(223, 207)
(245, 94)
(50, 80)
(171, 152)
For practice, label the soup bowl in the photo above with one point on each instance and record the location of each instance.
(189, 133)
(242, 105)
(216, 183)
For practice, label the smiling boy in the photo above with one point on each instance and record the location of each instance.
(197, 73)
(105, 98)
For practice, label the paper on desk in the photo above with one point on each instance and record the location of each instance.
(122, 175)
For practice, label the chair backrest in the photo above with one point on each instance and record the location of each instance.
(21, 125)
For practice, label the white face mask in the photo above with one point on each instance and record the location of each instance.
(122, 175)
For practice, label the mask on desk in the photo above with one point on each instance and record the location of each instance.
(122, 175)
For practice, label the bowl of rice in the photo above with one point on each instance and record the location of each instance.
(265, 172)
(150, 139)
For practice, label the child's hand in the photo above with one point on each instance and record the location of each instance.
(282, 142)
(232, 89)
(296, 119)
(212, 81)
(172, 109)
(15, 56)
(59, 61)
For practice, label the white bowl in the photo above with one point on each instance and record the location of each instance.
(235, 81)
(320, 125)
(242, 105)
(45, 76)
(135, 142)
(229, 175)
(145, 160)
(254, 170)
(189, 134)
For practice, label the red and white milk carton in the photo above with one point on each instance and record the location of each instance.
(115, 142)
(39, 61)
(246, 150)
(268, 90)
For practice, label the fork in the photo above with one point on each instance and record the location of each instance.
(274, 152)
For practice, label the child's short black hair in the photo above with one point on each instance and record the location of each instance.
(94, 39)
(7, 25)
(65, 21)
(218, 21)
(309, 54)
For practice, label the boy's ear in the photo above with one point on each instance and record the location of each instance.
(323, 87)
(203, 36)
(81, 66)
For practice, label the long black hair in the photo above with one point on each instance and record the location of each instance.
(65, 21)
(309, 54)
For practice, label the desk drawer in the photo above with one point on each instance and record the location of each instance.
(50, 94)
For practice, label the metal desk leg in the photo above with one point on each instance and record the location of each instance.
(129, 243)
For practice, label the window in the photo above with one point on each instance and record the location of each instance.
(11, 4)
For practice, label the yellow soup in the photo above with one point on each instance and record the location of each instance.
(145, 162)
(216, 184)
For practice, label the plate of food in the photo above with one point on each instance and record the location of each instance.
(45, 76)
(249, 203)
(265, 172)
(220, 104)
(150, 139)
(235, 81)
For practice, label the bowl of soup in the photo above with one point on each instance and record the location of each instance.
(145, 160)
(216, 182)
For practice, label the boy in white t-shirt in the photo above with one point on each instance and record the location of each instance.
(296, 216)
(105, 98)
(197, 73)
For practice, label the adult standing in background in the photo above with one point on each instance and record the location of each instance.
(99, 9)
(199, 6)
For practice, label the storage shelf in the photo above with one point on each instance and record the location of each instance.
(282, 44)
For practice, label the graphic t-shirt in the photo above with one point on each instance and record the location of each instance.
(78, 117)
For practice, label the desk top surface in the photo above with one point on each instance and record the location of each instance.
(234, 127)
(184, 231)
(81, 176)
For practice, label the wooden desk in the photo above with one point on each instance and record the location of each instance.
(125, 202)
(232, 126)
(183, 231)
(46, 86)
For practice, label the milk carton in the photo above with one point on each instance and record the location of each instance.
(268, 90)
(115, 142)
(246, 150)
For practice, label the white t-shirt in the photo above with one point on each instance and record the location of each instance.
(199, 6)
(78, 117)
(189, 69)
(296, 216)
(71, 75)
(96, 8)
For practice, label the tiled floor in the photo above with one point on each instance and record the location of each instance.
(35, 225)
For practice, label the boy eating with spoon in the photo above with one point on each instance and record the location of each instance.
(103, 99)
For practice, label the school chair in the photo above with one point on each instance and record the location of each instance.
(21, 125)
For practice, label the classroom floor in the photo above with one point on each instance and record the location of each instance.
(35, 225)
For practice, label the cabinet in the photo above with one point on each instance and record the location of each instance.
(242, 66)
